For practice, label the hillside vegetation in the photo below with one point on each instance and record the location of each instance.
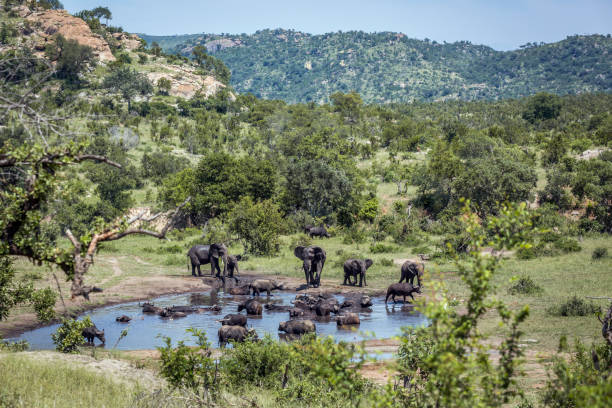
(509, 200)
(390, 67)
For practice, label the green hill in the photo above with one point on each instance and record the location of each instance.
(390, 67)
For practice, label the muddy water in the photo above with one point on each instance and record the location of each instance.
(145, 331)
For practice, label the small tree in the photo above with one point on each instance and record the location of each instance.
(70, 57)
(164, 85)
(258, 225)
(128, 83)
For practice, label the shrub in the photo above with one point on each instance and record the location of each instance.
(574, 306)
(257, 225)
(599, 253)
(525, 286)
(566, 244)
(260, 363)
(355, 234)
(14, 346)
(68, 336)
(385, 262)
(300, 240)
(190, 367)
(380, 248)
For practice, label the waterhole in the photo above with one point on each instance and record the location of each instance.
(145, 331)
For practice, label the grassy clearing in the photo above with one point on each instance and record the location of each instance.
(42, 384)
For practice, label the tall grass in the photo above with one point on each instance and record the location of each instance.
(25, 382)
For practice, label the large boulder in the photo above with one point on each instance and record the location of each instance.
(47, 23)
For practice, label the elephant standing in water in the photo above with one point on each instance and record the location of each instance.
(203, 254)
(314, 260)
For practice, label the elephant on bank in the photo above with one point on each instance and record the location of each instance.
(203, 254)
(354, 268)
(410, 270)
(314, 260)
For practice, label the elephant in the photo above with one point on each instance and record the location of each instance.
(232, 265)
(354, 268)
(91, 332)
(234, 320)
(203, 254)
(348, 319)
(252, 307)
(314, 260)
(318, 232)
(264, 285)
(410, 270)
(401, 289)
(236, 333)
(297, 326)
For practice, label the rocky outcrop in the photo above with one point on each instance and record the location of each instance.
(185, 83)
(47, 23)
(128, 42)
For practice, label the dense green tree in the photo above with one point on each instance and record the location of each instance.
(542, 106)
(218, 182)
(258, 225)
(128, 83)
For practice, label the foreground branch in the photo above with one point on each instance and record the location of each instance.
(115, 231)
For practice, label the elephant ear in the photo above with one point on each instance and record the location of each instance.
(238, 257)
(319, 252)
(368, 263)
(299, 252)
(214, 250)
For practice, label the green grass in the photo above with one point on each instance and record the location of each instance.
(26, 382)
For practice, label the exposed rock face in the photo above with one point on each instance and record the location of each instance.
(51, 22)
(186, 83)
(129, 42)
(220, 44)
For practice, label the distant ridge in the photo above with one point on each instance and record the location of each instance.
(390, 67)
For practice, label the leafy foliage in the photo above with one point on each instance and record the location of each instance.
(68, 336)
(574, 306)
(257, 225)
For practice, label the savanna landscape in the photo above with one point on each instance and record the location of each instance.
(153, 187)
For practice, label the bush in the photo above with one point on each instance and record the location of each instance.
(525, 286)
(68, 336)
(380, 248)
(599, 253)
(190, 367)
(300, 240)
(385, 262)
(14, 346)
(259, 363)
(355, 234)
(566, 244)
(574, 307)
(257, 225)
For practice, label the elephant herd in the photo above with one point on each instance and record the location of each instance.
(313, 260)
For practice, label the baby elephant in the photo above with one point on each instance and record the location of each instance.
(252, 307)
(92, 332)
(264, 285)
(234, 320)
(402, 289)
(232, 266)
(235, 333)
(354, 268)
(348, 319)
(411, 270)
(297, 326)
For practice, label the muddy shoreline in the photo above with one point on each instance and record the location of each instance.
(172, 285)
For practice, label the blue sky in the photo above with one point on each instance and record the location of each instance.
(501, 24)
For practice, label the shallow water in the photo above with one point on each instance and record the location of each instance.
(145, 330)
